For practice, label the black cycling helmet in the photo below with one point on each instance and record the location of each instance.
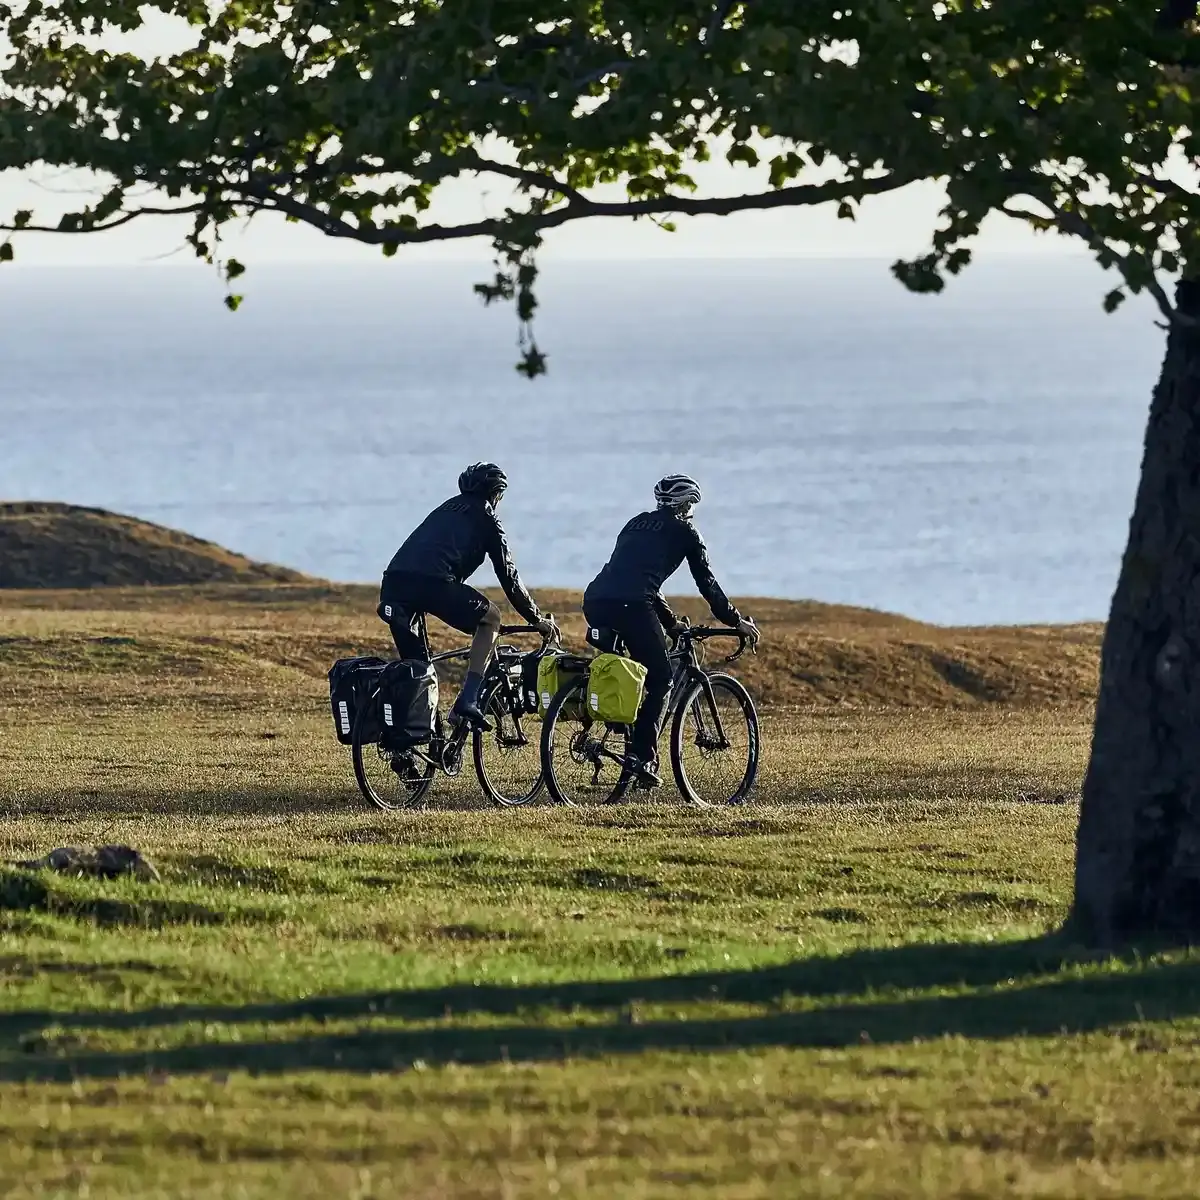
(677, 491)
(482, 479)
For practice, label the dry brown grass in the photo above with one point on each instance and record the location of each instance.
(45, 545)
(812, 656)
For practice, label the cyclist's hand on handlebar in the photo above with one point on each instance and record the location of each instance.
(747, 628)
(681, 626)
(549, 630)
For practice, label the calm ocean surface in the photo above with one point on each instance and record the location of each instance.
(969, 458)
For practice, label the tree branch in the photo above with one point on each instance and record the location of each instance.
(577, 208)
(1074, 225)
(524, 176)
(124, 219)
(257, 195)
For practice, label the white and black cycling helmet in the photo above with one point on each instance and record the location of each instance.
(482, 479)
(677, 492)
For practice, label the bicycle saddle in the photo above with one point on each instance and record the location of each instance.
(606, 640)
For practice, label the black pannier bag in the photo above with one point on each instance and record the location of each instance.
(408, 703)
(350, 683)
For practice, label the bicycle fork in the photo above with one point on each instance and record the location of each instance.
(705, 740)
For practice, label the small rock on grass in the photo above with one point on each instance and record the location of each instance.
(102, 862)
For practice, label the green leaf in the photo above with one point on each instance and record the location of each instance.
(1114, 300)
(233, 302)
(6, 252)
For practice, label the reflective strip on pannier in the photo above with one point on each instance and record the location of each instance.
(350, 683)
(408, 699)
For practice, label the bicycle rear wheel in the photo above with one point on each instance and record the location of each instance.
(580, 757)
(508, 759)
(715, 743)
(388, 779)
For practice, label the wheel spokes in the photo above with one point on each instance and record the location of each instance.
(508, 756)
(716, 746)
(585, 761)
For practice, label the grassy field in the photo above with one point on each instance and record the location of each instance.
(851, 987)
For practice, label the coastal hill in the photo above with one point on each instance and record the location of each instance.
(45, 545)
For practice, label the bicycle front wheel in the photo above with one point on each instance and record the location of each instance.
(508, 759)
(715, 743)
(388, 779)
(582, 760)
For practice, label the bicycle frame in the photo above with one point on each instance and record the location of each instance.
(687, 673)
(448, 756)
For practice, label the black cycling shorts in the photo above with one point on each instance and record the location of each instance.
(405, 595)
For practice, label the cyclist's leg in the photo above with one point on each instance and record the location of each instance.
(401, 603)
(471, 612)
(401, 607)
(646, 642)
(405, 624)
(483, 642)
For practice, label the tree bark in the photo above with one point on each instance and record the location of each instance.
(1137, 865)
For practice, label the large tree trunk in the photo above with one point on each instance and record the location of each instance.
(1137, 865)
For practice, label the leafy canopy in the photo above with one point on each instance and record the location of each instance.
(348, 115)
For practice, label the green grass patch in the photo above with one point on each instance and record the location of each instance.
(852, 987)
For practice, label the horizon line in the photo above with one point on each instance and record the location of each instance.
(252, 263)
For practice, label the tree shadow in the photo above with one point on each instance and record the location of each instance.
(319, 800)
(1021, 990)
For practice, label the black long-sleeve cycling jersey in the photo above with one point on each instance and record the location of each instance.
(452, 542)
(649, 550)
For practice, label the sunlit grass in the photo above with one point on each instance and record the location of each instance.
(853, 986)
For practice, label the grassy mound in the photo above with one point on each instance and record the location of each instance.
(248, 639)
(64, 546)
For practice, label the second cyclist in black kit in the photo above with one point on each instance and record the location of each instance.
(428, 573)
(627, 597)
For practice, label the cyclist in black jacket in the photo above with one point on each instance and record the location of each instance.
(626, 597)
(427, 573)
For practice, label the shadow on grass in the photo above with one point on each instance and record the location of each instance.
(1019, 990)
(91, 804)
(30, 892)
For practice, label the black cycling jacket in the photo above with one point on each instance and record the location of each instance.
(451, 543)
(649, 550)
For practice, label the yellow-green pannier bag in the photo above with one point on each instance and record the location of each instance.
(554, 670)
(615, 687)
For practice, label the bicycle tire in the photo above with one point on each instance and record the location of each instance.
(695, 696)
(493, 705)
(407, 795)
(561, 718)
